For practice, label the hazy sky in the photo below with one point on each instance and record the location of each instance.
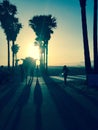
(66, 44)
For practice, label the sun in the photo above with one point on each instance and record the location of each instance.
(34, 52)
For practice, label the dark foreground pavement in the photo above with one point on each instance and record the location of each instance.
(42, 104)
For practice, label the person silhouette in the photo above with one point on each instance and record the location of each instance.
(65, 73)
(32, 73)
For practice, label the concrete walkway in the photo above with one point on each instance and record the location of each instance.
(40, 112)
(31, 108)
(44, 105)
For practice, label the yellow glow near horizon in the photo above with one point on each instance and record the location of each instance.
(34, 52)
(37, 62)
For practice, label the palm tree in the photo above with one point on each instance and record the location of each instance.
(15, 49)
(85, 37)
(7, 12)
(16, 26)
(50, 23)
(95, 37)
(43, 26)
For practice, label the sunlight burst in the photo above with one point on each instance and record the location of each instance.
(34, 52)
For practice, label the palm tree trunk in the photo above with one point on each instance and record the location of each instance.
(13, 54)
(44, 58)
(8, 43)
(95, 38)
(16, 61)
(47, 57)
(85, 40)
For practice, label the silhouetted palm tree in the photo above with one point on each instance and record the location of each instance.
(43, 26)
(15, 49)
(85, 37)
(95, 37)
(16, 26)
(7, 12)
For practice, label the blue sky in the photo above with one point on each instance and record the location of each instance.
(66, 44)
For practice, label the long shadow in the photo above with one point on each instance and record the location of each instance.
(84, 93)
(14, 116)
(38, 102)
(8, 96)
(69, 109)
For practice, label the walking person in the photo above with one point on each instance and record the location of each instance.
(65, 73)
(32, 73)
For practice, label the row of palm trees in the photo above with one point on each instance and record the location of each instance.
(11, 26)
(43, 26)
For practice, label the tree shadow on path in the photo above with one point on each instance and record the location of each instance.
(14, 116)
(38, 102)
(73, 115)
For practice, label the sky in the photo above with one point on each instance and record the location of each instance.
(66, 43)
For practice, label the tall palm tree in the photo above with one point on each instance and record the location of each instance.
(7, 12)
(43, 26)
(95, 37)
(50, 23)
(16, 26)
(85, 37)
(15, 49)
(37, 25)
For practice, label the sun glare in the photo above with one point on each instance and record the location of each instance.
(34, 52)
(37, 62)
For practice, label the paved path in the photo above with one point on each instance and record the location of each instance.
(30, 107)
(70, 78)
(44, 106)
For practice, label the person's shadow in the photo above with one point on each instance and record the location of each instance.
(38, 102)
